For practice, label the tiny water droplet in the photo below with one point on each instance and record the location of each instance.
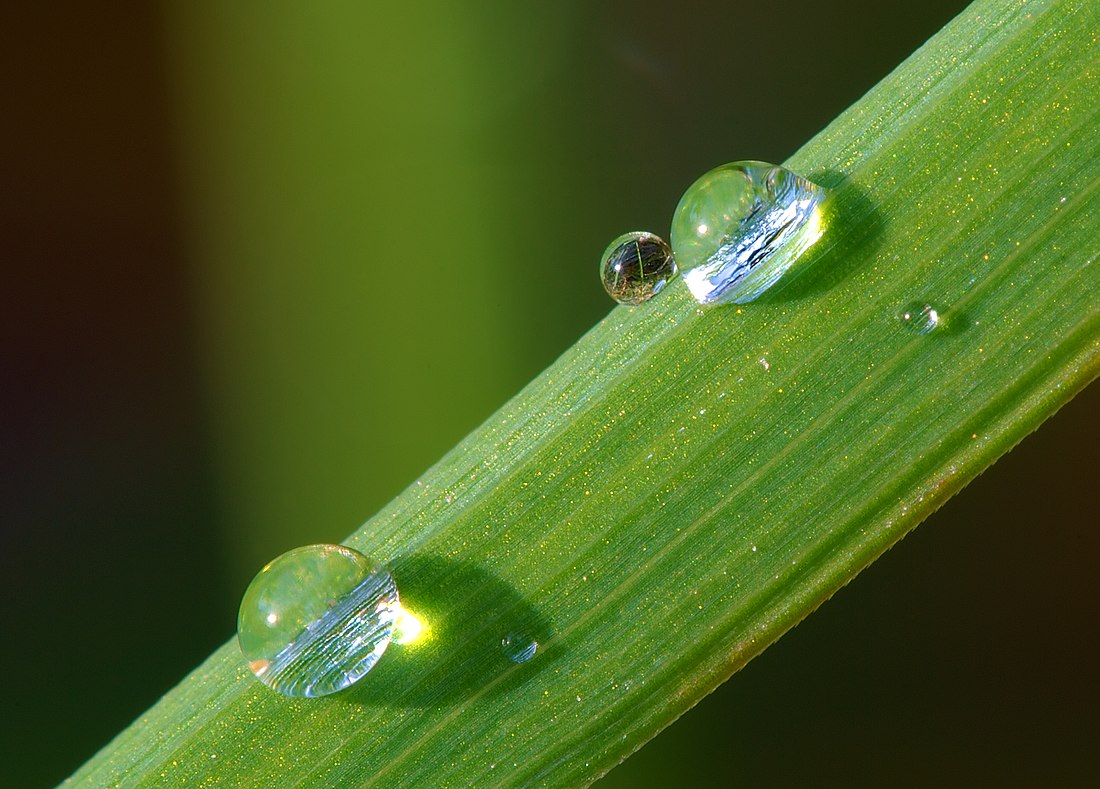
(636, 266)
(518, 647)
(741, 226)
(920, 318)
(316, 619)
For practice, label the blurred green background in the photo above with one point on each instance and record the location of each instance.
(266, 262)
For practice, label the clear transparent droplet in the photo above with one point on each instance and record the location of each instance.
(741, 226)
(518, 648)
(636, 266)
(920, 318)
(316, 619)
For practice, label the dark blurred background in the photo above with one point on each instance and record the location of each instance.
(264, 264)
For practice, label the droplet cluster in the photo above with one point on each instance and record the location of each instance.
(318, 618)
(736, 231)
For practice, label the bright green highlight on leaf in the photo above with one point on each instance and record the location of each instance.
(684, 484)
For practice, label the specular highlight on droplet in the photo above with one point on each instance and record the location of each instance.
(316, 619)
(740, 227)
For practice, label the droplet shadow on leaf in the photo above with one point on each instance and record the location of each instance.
(954, 322)
(466, 612)
(849, 219)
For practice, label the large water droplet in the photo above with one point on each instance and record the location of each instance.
(518, 647)
(741, 226)
(316, 619)
(920, 318)
(636, 266)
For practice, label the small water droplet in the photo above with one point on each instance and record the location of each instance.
(518, 648)
(741, 226)
(920, 318)
(636, 266)
(316, 619)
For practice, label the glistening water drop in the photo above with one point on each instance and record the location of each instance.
(920, 318)
(316, 619)
(518, 647)
(741, 226)
(636, 266)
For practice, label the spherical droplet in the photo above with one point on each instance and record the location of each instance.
(636, 266)
(518, 648)
(316, 619)
(741, 226)
(920, 318)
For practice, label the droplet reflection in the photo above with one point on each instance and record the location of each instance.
(316, 619)
(636, 266)
(741, 226)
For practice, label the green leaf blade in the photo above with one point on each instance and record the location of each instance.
(685, 485)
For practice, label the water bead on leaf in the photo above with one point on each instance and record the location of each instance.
(920, 318)
(518, 647)
(741, 226)
(636, 266)
(316, 619)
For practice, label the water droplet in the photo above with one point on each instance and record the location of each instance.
(518, 647)
(920, 318)
(636, 266)
(741, 226)
(316, 619)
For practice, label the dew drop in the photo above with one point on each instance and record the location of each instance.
(741, 226)
(636, 266)
(316, 619)
(518, 648)
(920, 318)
